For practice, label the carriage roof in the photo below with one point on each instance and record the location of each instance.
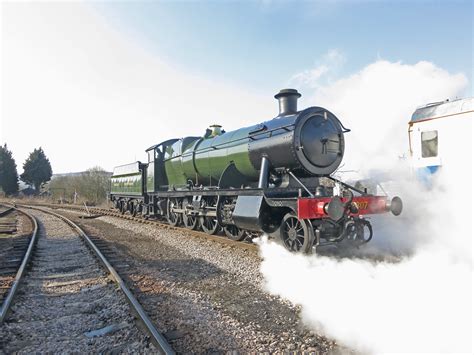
(443, 109)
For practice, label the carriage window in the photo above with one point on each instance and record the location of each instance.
(429, 144)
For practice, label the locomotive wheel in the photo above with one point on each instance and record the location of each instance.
(123, 207)
(297, 235)
(190, 221)
(173, 218)
(233, 232)
(134, 209)
(221, 208)
(209, 224)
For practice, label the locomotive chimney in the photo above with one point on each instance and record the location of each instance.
(288, 101)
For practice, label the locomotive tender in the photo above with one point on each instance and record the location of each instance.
(262, 178)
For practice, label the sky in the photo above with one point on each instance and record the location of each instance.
(96, 83)
(263, 43)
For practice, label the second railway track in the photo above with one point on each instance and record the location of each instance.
(67, 302)
(98, 211)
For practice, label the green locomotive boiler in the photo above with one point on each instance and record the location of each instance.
(262, 178)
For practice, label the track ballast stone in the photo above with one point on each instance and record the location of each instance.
(204, 296)
(67, 303)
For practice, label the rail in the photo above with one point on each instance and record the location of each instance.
(19, 275)
(7, 211)
(156, 337)
(194, 233)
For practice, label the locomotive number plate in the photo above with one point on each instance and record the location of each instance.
(362, 205)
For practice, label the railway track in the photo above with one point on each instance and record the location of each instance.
(205, 296)
(15, 251)
(67, 301)
(246, 244)
(97, 211)
(213, 291)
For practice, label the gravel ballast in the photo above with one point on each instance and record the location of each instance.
(67, 303)
(204, 296)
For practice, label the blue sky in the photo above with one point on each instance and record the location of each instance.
(263, 43)
(177, 67)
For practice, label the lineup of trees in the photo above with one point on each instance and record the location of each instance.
(36, 170)
(90, 186)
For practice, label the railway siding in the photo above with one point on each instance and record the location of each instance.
(67, 302)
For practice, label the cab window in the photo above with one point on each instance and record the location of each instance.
(429, 144)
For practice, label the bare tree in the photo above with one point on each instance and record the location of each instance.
(91, 186)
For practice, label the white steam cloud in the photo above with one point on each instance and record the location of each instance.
(377, 103)
(422, 301)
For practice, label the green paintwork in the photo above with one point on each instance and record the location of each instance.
(127, 179)
(204, 160)
(150, 177)
(187, 160)
(173, 166)
(128, 184)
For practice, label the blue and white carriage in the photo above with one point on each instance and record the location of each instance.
(440, 135)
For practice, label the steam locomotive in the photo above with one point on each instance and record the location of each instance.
(263, 178)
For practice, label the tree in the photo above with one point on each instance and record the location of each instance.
(37, 169)
(96, 184)
(8, 173)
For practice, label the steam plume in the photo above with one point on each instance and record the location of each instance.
(419, 297)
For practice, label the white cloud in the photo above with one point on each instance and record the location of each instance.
(377, 102)
(324, 70)
(91, 96)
